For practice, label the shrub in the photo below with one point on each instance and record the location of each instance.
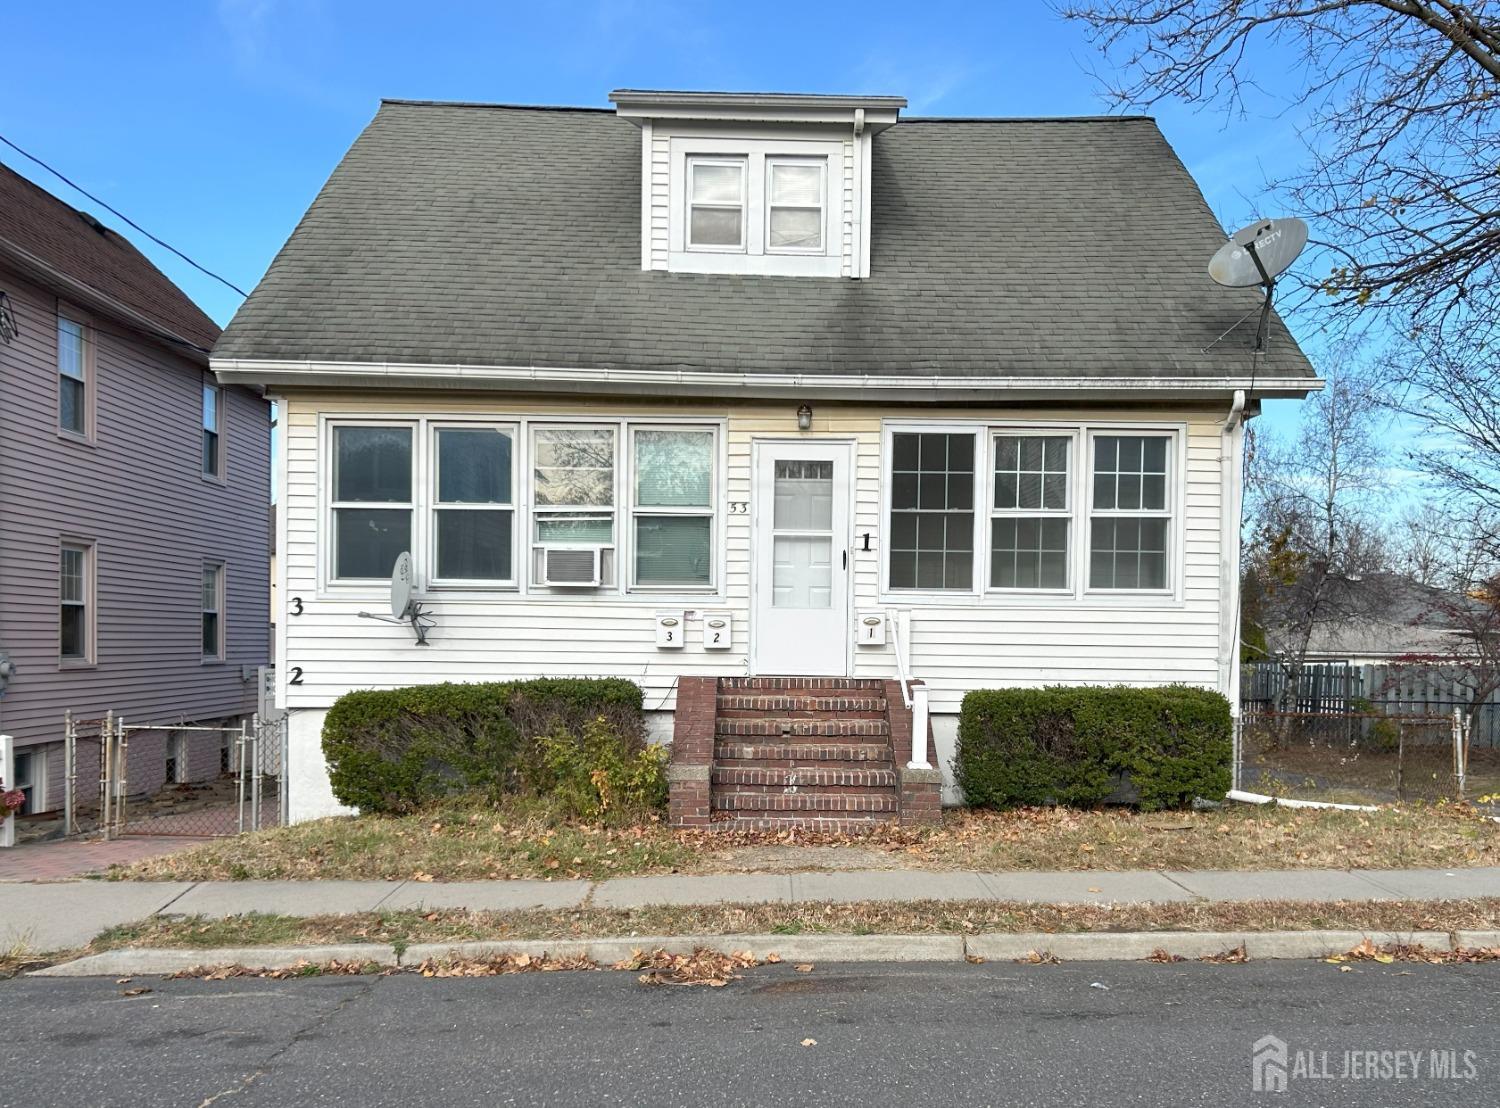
(1071, 745)
(596, 774)
(394, 750)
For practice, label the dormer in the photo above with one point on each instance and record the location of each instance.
(756, 183)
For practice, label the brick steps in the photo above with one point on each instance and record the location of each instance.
(818, 775)
(783, 753)
(826, 825)
(821, 727)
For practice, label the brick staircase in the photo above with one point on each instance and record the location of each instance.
(814, 753)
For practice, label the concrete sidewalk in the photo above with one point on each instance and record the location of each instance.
(69, 914)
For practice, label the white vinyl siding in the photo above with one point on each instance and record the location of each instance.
(957, 640)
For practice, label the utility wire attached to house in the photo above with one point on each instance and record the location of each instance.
(121, 215)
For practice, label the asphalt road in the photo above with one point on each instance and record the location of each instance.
(908, 1035)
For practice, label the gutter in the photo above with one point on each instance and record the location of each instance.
(911, 387)
(87, 296)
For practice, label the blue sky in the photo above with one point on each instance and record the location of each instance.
(213, 123)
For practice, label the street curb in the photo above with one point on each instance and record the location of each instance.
(1126, 946)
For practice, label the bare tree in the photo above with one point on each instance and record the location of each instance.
(1315, 526)
(1399, 181)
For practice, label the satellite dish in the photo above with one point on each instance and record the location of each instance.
(401, 585)
(403, 608)
(1259, 253)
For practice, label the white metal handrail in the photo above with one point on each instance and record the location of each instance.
(913, 696)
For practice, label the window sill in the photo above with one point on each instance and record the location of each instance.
(76, 664)
(77, 439)
(1054, 601)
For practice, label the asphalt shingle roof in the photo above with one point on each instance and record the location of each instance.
(487, 235)
(35, 221)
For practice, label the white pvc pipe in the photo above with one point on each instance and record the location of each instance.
(1283, 802)
(8, 777)
(919, 728)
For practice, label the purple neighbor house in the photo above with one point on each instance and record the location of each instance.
(134, 495)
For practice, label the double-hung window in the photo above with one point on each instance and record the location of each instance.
(72, 376)
(573, 485)
(372, 499)
(213, 612)
(213, 400)
(932, 510)
(1030, 519)
(474, 505)
(76, 597)
(672, 513)
(716, 204)
(1130, 515)
(794, 204)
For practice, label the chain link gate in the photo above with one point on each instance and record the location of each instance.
(173, 779)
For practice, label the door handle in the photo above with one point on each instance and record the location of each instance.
(846, 559)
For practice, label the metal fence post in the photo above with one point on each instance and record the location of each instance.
(122, 779)
(70, 773)
(255, 780)
(106, 772)
(1460, 755)
(240, 777)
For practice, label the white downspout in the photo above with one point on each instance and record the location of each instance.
(1231, 491)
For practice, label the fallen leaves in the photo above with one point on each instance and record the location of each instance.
(701, 967)
(498, 964)
(1160, 955)
(805, 967)
(809, 1042)
(1039, 958)
(1234, 956)
(139, 990)
(1367, 950)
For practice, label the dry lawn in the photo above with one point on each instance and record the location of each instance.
(917, 917)
(525, 841)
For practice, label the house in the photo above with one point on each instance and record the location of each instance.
(806, 417)
(134, 491)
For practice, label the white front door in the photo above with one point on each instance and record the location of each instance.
(800, 588)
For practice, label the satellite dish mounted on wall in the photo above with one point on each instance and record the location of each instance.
(1257, 255)
(403, 608)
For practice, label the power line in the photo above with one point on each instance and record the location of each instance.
(121, 215)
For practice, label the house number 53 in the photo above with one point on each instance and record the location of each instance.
(739, 507)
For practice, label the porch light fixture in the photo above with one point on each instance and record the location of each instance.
(804, 418)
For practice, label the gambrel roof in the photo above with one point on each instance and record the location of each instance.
(484, 235)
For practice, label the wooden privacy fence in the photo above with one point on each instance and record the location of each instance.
(1388, 690)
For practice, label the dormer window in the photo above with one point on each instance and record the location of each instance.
(766, 185)
(794, 210)
(716, 197)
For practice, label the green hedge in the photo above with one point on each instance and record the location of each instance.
(1071, 745)
(394, 750)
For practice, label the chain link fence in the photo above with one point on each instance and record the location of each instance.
(124, 778)
(1362, 757)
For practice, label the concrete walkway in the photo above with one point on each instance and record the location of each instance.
(68, 914)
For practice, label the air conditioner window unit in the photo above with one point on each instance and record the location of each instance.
(578, 567)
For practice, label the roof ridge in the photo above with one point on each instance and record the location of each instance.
(408, 102)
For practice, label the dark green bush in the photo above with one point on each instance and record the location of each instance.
(1072, 744)
(394, 750)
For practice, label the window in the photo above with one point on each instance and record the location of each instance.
(213, 612)
(30, 768)
(794, 204)
(932, 511)
(372, 500)
(672, 507)
(73, 376)
(1030, 518)
(474, 504)
(75, 592)
(212, 402)
(716, 203)
(573, 486)
(1129, 517)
